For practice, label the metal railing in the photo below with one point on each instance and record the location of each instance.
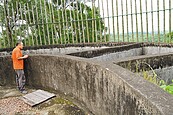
(46, 22)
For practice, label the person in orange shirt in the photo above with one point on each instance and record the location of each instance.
(18, 65)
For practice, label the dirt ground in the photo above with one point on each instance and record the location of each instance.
(11, 104)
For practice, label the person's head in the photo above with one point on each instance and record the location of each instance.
(19, 44)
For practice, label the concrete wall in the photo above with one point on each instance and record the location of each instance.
(161, 63)
(104, 88)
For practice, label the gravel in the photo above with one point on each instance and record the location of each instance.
(12, 105)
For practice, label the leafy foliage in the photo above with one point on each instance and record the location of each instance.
(170, 35)
(53, 22)
(168, 88)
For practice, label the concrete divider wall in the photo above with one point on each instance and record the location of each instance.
(104, 88)
(7, 75)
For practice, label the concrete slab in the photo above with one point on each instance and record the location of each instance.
(37, 97)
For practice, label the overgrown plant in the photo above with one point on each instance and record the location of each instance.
(168, 88)
(153, 78)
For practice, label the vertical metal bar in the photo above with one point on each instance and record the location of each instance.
(30, 23)
(51, 22)
(60, 28)
(108, 18)
(66, 25)
(100, 27)
(54, 27)
(22, 25)
(141, 21)
(93, 9)
(42, 17)
(47, 25)
(117, 21)
(122, 19)
(79, 30)
(37, 21)
(113, 21)
(19, 12)
(95, 23)
(127, 20)
(63, 21)
(104, 21)
(158, 21)
(14, 22)
(164, 16)
(136, 22)
(146, 6)
(169, 21)
(152, 20)
(88, 36)
(6, 23)
(33, 16)
(83, 32)
(131, 7)
(26, 19)
(75, 27)
(2, 24)
(71, 22)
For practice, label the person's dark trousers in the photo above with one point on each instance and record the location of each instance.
(20, 79)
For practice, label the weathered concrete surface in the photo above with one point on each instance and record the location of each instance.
(105, 88)
(62, 48)
(119, 55)
(161, 63)
(156, 50)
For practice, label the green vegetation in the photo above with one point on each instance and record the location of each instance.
(163, 38)
(46, 23)
(168, 88)
(153, 78)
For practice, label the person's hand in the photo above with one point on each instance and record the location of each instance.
(25, 56)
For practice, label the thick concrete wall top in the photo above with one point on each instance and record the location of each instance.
(104, 88)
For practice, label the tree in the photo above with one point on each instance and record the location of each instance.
(170, 35)
(42, 22)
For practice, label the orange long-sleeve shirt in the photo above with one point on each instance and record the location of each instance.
(17, 63)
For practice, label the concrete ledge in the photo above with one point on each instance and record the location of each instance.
(103, 87)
